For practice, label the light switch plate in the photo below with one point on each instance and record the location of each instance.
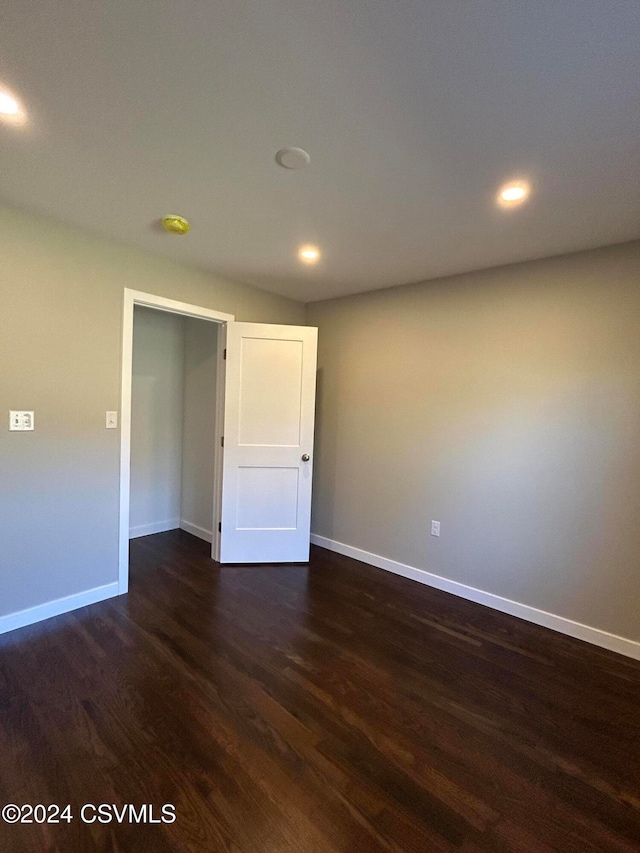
(21, 421)
(112, 420)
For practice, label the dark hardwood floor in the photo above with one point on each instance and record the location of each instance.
(287, 709)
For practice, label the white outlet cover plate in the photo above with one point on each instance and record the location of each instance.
(435, 528)
(111, 421)
(21, 421)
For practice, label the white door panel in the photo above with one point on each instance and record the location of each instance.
(270, 399)
(268, 429)
(267, 498)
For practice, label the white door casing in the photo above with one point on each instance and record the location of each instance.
(131, 299)
(268, 433)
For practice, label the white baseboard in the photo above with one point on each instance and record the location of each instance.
(629, 648)
(195, 530)
(55, 608)
(154, 527)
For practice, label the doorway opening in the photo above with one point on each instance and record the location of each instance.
(172, 410)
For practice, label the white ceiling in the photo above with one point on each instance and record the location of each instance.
(414, 113)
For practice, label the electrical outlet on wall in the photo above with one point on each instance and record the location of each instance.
(435, 528)
(111, 420)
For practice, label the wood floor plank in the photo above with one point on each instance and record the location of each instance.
(328, 708)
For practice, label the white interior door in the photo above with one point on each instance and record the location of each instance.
(268, 443)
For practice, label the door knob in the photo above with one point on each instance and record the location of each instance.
(305, 457)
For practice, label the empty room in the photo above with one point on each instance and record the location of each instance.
(320, 370)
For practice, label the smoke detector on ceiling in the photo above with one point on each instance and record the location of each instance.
(175, 224)
(292, 158)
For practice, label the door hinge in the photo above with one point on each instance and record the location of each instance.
(219, 527)
(225, 353)
(222, 442)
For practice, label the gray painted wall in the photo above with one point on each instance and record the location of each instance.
(199, 437)
(61, 298)
(505, 404)
(172, 422)
(157, 392)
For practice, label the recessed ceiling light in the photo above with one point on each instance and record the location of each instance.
(309, 254)
(11, 111)
(292, 158)
(8, 105)
(513, 193)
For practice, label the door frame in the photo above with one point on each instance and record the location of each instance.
(171, 306)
